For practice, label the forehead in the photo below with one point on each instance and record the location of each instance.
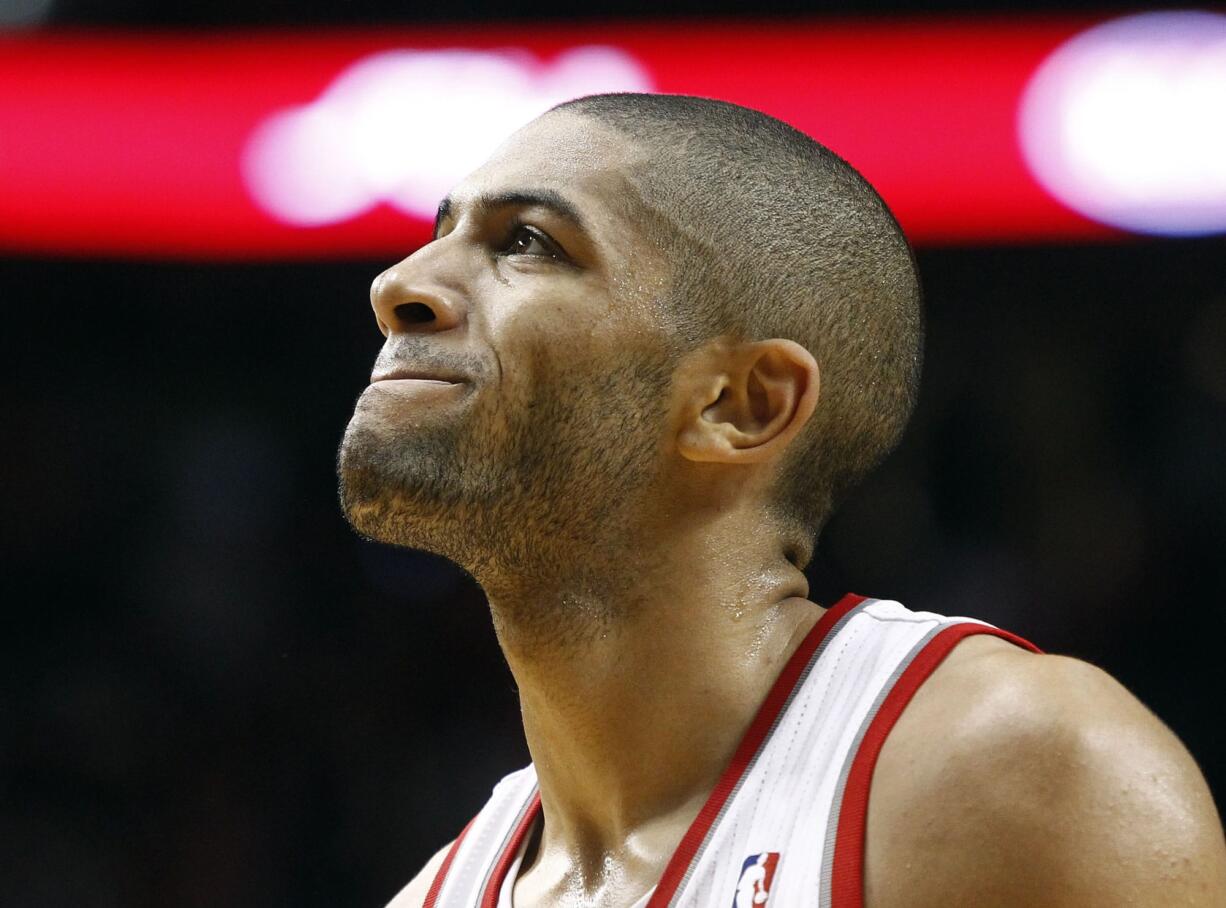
(586, 163)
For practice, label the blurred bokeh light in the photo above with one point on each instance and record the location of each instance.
(1126, 123)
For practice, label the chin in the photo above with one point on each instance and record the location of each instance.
(397, 493)
(393, 519)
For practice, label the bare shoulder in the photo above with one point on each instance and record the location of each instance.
(1014, 779)
(414, 894)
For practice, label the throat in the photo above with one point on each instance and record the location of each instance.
(630, 728)
(640, 673)
(626, 760)
(547, 875)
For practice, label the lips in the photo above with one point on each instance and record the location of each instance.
(412, 374)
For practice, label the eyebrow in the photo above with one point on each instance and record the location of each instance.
(519, 198)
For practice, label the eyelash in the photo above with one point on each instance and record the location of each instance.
(517, 229)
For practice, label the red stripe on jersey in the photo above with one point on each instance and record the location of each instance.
(847, 870)
(754, 737)
(493, 886)
(441, 875)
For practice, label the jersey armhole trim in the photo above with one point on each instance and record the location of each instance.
(441, 875)
(847, 872)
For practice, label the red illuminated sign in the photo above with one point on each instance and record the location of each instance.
(270, 145)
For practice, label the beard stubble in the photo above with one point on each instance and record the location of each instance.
(527, 483)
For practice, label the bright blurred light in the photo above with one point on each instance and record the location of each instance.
(402, 127)
(1126, 123)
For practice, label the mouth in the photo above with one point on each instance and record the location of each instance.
(438, 377)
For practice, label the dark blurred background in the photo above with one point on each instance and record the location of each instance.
(217, 695)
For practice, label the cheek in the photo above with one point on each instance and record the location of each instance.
(543, 340)
(555, 351)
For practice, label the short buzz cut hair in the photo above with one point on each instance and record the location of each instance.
(771, 234)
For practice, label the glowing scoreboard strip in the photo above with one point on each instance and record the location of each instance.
(256, 145)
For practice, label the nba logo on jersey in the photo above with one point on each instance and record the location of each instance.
(757, 874)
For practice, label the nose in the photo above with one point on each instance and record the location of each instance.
(405, 302)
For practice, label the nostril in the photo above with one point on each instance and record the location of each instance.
(414, 313)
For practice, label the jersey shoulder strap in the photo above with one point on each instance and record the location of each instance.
(843, 883)
(784, 825)
(472, 870)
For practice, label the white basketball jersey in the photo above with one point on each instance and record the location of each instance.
(784, 826)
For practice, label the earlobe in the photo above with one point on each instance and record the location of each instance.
(759, 399)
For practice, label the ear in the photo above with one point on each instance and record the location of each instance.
(749, 404)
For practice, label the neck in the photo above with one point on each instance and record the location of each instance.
(637, 687)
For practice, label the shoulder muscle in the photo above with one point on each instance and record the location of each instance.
(414, 894)
(1021, 780)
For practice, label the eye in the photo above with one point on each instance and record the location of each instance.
(525, 240)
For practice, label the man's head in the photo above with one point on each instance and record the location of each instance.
(638, 294)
